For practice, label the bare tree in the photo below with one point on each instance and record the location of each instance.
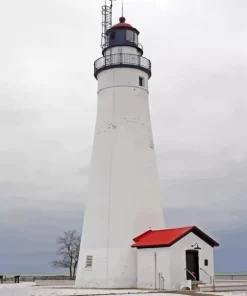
(68, 249)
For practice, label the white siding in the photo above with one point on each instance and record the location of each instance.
(171, 262)
(121, 49)
(178, 259)
(147, 275)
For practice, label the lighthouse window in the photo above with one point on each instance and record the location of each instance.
(141, 81)
(130, 36)
(135, 38)
(89, 261)
(112, 37)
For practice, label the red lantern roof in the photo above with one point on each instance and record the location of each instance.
(122, 24)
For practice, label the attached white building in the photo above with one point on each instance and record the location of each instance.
(168, 258)
(123, 196)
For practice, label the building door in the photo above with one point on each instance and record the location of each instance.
(192, 264)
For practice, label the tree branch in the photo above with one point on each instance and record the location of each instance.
(68, 250)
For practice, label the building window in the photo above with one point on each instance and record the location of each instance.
(141, 81)
(112, 36)
(206, 262)
(130, 36)
(135, 38)
(89, 261)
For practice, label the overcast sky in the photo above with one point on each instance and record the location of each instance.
(198, 91)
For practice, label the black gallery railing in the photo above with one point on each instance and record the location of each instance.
(126, 59)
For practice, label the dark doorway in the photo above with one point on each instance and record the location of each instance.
(192, 264)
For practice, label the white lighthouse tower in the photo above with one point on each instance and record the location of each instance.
(124, 193)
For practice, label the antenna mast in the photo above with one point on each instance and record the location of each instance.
(106, 22)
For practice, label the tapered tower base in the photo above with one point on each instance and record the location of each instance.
(124, 192)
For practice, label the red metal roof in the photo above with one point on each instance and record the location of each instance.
(122, 24)
(168, 237)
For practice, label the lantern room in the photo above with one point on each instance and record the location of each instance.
(123, 34)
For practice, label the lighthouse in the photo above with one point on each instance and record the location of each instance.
(124, 192)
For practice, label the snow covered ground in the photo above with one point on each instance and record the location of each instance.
(19, 286)
(30, 289)
(236, 293)
(37, 291)
(26, 290)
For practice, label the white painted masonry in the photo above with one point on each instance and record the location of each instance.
(121, 49)
(178, 259)
(148, 270)
(171, 262)
(124, 191)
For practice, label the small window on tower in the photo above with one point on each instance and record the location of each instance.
(89, 261)
(135, 38)
(141, 81)
(130, 36)
(206, 262)
(112, 36)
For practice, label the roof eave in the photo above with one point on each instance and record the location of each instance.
(209, 240)
(150, 246)
(122, 28)
(194, 229)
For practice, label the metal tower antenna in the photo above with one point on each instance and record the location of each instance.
(106, 22)
(111, 3)
(122, 8)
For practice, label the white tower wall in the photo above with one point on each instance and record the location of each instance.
(122, 49)
(124, 192)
